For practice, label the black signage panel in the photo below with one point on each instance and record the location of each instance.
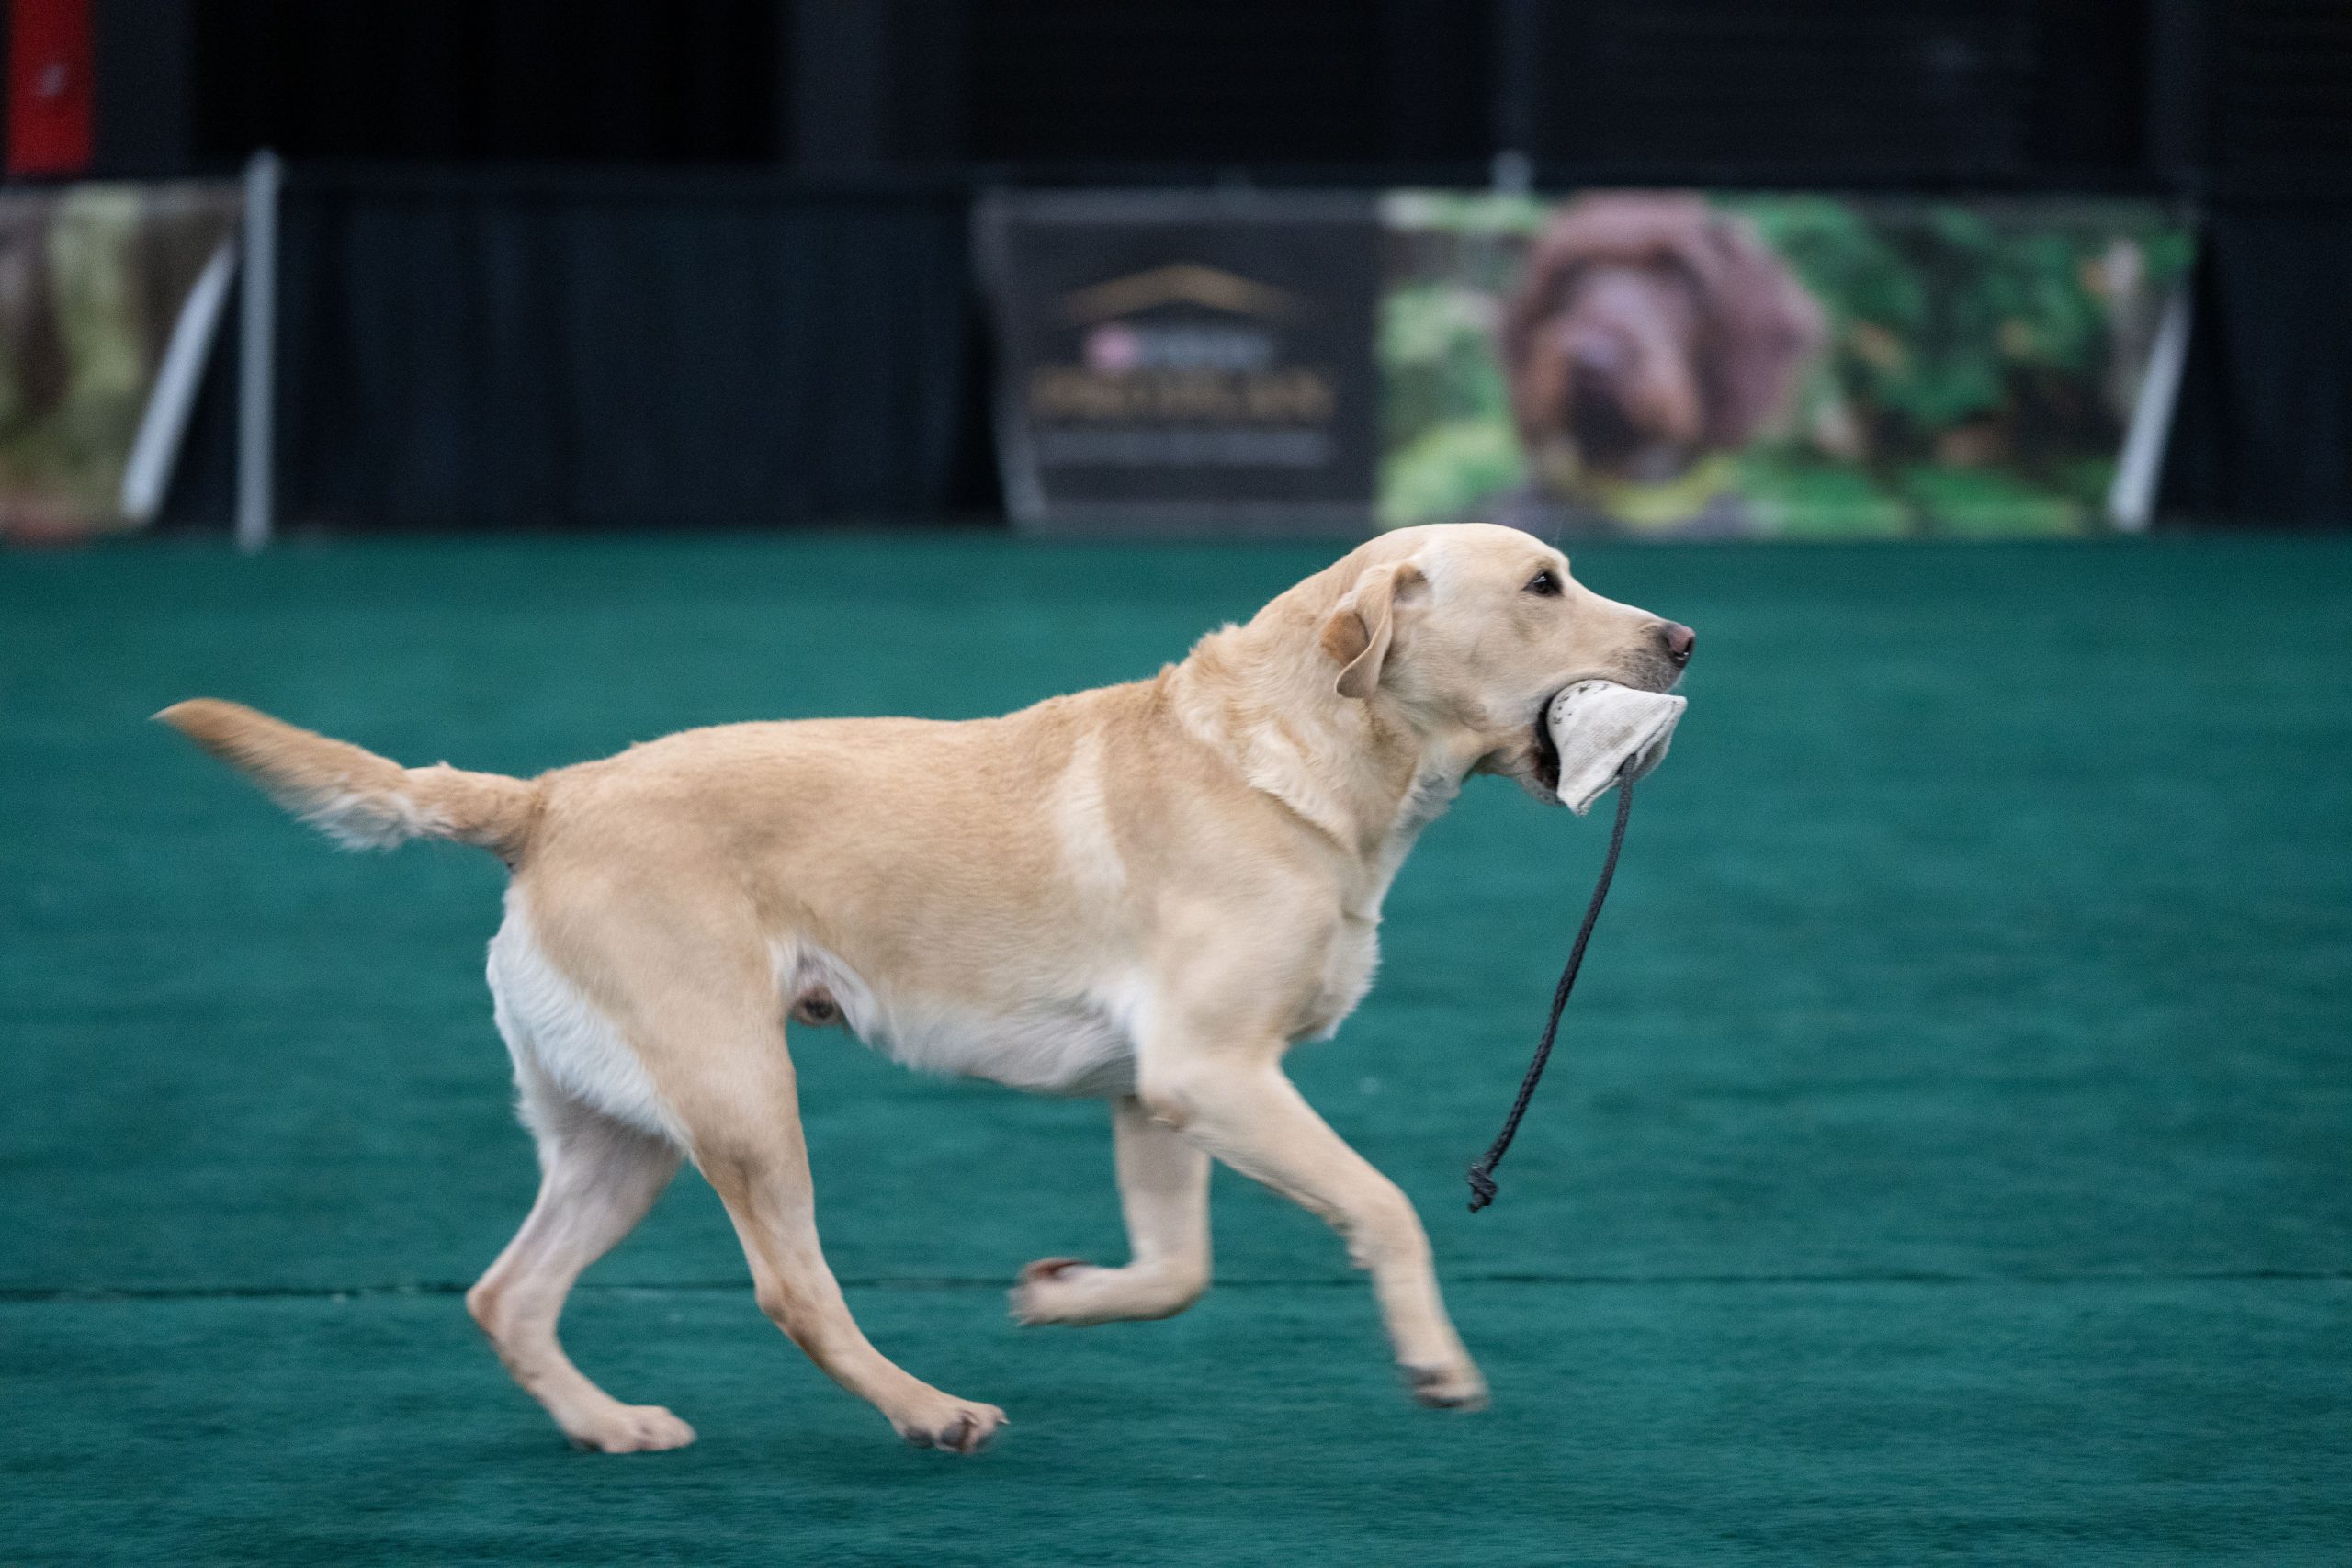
(1196, 362)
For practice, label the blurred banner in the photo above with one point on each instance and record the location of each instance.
(1199, 362)
(1640, 363)
(1668, 364)
(110, 297)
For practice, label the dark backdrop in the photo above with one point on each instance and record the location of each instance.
(709, 311)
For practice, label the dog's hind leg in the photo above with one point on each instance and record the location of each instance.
(598, 1178)
(1164, 1190)
(690, 988)
(725, 1074)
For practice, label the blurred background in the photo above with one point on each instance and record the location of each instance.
(1945, 1161)
(601, 264)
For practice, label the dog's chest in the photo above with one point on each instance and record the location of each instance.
(1348, 968)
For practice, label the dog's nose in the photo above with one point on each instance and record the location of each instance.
(1681, 642)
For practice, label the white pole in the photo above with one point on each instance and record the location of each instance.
(257, 355)
(2132, 499)
(157, 446)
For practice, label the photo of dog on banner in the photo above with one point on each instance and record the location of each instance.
(1671, 364)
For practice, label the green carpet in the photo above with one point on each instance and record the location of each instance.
(1948, 1161)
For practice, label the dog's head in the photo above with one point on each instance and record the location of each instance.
(1465, 631)
(1647, 330)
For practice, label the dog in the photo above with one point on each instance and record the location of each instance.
(1145, 893)
(1646, 331)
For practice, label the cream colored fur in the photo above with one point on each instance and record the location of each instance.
(1147, 893)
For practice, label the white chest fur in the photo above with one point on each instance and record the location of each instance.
(1348, 971)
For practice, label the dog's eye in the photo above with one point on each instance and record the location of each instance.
(1544, 585)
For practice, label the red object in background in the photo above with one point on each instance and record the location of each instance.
(53, 99)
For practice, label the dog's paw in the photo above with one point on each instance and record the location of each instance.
(957, 1425)
(1455, 1387)
(1063, 1290)
(630, 1429)
(1042, 1293)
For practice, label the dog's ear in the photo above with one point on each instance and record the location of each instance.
(1361, 628)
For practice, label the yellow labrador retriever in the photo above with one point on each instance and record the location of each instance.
(1145, 893)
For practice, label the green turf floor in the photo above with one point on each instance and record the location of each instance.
(1950, 1160)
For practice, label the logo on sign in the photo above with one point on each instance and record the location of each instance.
(1181, 362)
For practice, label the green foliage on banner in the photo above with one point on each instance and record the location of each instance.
(1449, 442)
(1978, 366)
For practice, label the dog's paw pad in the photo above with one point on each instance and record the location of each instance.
(962, 1428)
(1031, 1299)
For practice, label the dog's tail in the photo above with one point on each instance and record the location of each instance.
(363, 801)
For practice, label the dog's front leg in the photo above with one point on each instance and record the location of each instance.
(1242, 1109)
(1164, 1190)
